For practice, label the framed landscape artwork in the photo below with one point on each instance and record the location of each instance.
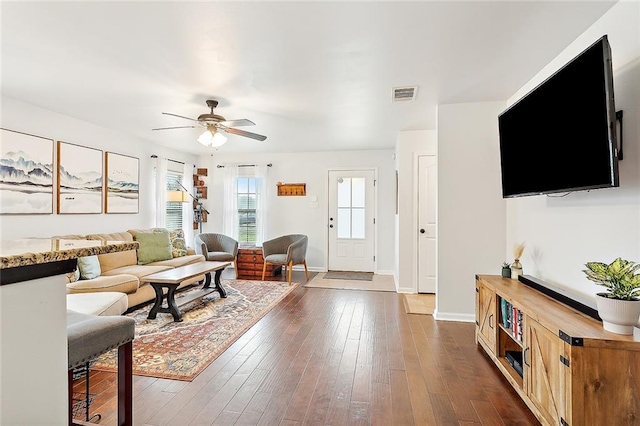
(26, 173)
(122, 183)
(80, 178)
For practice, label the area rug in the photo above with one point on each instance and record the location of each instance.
(423, 304)
(181, 350)
(343, 275)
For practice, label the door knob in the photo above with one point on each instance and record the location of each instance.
(422, 231)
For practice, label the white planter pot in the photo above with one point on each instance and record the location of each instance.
(618, 316)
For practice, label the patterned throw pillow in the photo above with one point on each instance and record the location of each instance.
(178, 243)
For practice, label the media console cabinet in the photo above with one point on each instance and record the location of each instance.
(566, 368)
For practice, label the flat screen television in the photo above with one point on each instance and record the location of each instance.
(561, 136)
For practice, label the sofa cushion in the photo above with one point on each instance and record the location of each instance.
(124, 283)
(220, 256)
(100, 303)
(137, 270)
(109, 261)
(154, 246)
(89, 267)
(179, 261)
(114, 236)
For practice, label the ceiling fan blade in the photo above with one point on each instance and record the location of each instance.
(236, 123)
(244, 133)
(180, 116)
(178, 127)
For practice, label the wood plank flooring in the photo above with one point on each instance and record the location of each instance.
(332, 357)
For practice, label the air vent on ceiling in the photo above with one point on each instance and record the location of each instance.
(404, 93)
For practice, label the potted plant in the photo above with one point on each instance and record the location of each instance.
(619, 306)
(506, 269)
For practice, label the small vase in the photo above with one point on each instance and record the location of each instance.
(516, 269)
(506, 272)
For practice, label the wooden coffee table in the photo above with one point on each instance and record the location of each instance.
(172, 278)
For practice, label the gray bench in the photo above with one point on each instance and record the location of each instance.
(89, 336)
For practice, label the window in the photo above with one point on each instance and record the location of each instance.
(247, 197)
(174, 208)
(351, 219)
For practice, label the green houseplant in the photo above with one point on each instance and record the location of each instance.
(619, 306)
(506, 269)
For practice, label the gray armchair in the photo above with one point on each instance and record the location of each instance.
(217, 247)
(287, 251)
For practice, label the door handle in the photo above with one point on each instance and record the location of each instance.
(524, 357)
(491, 320)
(422, 231)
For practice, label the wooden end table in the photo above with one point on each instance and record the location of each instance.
(172, 278)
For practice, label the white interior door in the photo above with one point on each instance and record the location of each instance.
(351, 220)
(427, 198)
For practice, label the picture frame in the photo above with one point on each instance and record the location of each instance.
(80, 179)
(26, 173)
(122, 183)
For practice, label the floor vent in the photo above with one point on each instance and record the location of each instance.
(404, 93)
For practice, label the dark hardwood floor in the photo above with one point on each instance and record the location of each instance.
(332, 357)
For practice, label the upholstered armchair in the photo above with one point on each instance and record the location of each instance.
(217, 247)
(287, 251)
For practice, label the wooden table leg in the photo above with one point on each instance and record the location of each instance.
(216, 281)
(172, 307)
(171, 301)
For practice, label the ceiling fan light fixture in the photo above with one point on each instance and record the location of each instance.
(211, 137)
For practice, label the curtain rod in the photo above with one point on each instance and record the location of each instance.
(221, 166)
(169, 159)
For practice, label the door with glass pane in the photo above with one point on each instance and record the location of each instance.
(351, 220)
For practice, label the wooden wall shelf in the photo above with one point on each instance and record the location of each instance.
(292, 189)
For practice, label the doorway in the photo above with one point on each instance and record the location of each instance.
(427, 216)
(351, 224)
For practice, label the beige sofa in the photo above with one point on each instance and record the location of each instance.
(120, 272)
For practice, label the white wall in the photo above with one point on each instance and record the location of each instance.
(27, 118)
(409, 145)
(562, 234)
(471, 211)
(297, 214)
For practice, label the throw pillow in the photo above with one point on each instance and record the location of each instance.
(154, 246)
(178, 243)
(178, 247)
(89, 267)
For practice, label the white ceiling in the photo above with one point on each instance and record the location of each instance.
(313, 76)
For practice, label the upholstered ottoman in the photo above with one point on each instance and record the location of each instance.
(100, 303)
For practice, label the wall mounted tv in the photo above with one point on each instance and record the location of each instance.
(561, 136)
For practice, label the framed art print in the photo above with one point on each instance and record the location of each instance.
(80, 178)
(26, 173)
(123, 176)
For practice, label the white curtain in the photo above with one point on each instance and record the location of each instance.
(187, 208)
(261, 203)
(230, 204)
(161, 192)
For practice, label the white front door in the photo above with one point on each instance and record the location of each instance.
(351, 220)
(427, 248)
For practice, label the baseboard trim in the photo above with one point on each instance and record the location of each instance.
(448, 316)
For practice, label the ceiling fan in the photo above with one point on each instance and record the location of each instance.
(214, 124)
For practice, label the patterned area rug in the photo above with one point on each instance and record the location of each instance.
(181, 350)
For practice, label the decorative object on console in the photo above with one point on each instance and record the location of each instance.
(292, 188)
(27, 173)
(506, 269)
(80, 177)
(619, 306)
(123, 176)
(516, 266)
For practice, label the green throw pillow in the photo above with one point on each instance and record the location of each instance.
(154, 246)
(89, 267)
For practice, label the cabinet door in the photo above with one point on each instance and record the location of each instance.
(545, 374)
(486, 313)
